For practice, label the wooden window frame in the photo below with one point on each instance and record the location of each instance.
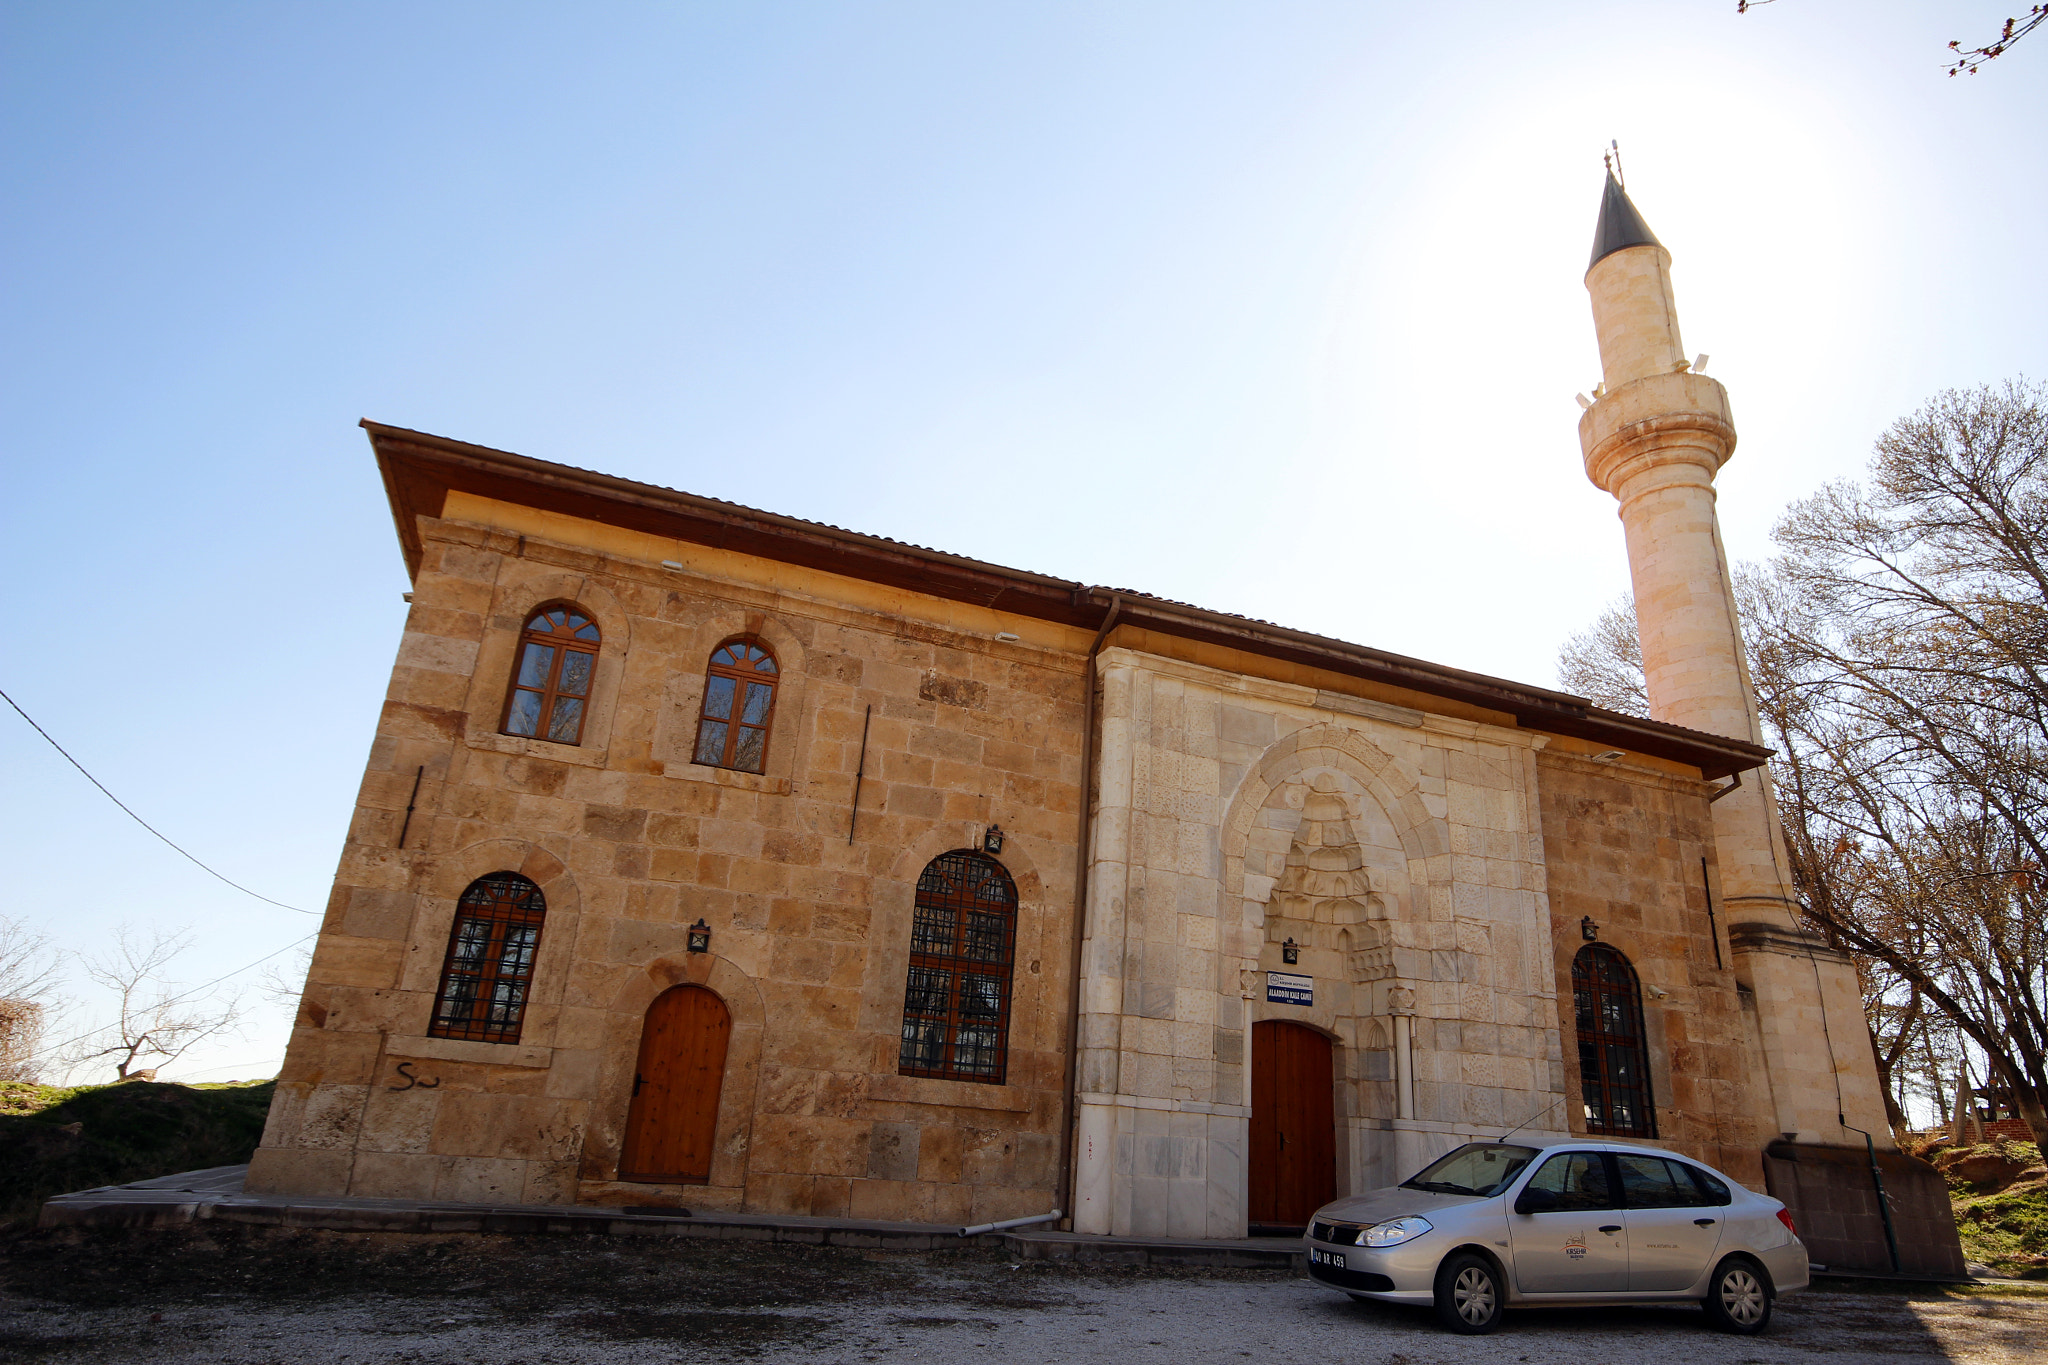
(942, 950)
(1606, 992)
(735, 727)
(538, 632)
(493, 914)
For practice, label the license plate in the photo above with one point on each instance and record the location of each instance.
(1333, 1259)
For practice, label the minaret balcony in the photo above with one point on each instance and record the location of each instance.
(1659, 420)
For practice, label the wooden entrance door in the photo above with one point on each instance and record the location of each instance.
(1294, 1127)
(674, 1118)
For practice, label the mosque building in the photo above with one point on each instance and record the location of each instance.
(714, 858)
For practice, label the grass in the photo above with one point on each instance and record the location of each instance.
(2002, 1223)
(2006, 1229)
(54, 1139)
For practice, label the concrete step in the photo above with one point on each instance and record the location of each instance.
(216, 1195)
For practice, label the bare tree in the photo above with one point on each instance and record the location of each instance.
(1966, 58)
(154, 1022)
(283, 985)
(1899, 646)
(1903, 635)
(28, 982)
(1969, 59)
(1604, 663)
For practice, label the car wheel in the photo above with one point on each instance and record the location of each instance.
(1469, 1294)
(1738, 1298)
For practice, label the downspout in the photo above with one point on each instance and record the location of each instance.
(1884, 1205)
(1081, 852)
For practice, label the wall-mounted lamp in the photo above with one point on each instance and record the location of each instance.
(992, 839)
(1290, 952)
(1587, 929)
(700, 937)
(1609, 756)
(1008, 637)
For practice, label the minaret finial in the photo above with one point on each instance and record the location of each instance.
(1620, 225)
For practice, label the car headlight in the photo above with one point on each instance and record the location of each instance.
(1398, 1231)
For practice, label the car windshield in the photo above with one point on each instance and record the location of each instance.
(1477, 1168)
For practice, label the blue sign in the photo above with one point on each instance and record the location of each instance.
(1287, 988)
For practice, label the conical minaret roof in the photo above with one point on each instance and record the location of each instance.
(1620, 225)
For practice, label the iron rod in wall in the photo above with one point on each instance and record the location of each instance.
(410, 802)
(853, 816)
(1713, 928)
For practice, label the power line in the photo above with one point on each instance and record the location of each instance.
(138, 819)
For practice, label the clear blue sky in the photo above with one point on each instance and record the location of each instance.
(1273, 307)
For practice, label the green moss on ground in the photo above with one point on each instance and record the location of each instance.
(54, 1139)
(2002, 1219)
(2007, 1229)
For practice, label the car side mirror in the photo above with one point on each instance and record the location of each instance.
(1536, 1201)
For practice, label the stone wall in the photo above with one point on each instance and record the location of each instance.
(1624, 847)
(1430, 862)
(1833, 1200)
(630, 842)
(1400, 849)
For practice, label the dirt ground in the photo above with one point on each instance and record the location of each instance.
(222, 1295)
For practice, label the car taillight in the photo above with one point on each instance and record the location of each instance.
(1786, 1218)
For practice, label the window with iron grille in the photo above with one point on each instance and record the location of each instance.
(739, 704)
(489, 968)
(956, 1004)
(1614, 1060)
(551, 681)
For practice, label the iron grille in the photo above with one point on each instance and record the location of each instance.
(489, 969)
(1614, 1070)
(956, 1001)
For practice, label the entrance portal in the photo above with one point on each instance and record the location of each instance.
(1293, 1167)
(674, 1117)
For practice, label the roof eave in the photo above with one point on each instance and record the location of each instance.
(419, 468)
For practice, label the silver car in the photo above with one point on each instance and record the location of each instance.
(1493, 1226)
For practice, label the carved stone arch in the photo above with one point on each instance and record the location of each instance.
(620, 1052)
(791, 655)
(739, 991)
(1391, 784)
(433, 918)
(522, 587)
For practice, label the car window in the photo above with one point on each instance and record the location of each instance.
(1476, 1168)
(1713, 1194)
(1578, 1179)
(1648, 1182)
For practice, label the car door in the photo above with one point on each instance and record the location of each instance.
(1671, 1235)
(1574, 1241)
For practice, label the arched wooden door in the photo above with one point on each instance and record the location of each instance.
(674, 1117)
(1293, 1167)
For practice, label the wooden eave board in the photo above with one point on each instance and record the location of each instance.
(420, 469)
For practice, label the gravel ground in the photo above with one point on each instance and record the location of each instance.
(321, 1300)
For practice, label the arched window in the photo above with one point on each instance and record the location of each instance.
(1614, 1062)
(490, 960)
(739, 703)
(956, 1004)
(550, 688)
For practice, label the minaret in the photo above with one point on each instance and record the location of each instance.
(1655, 439)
